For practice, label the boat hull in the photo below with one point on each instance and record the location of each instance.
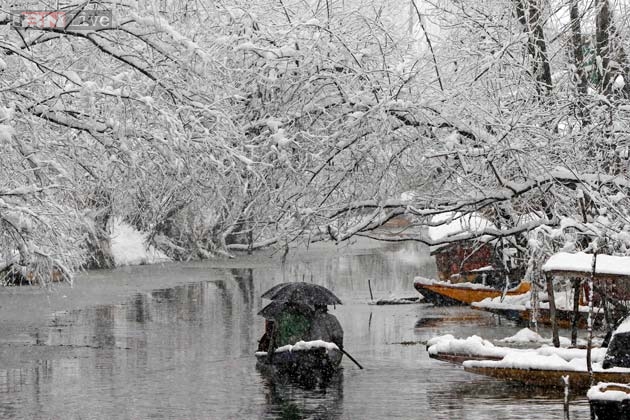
(549, 378)
(564, 318)
(610, 401)
(459, 358)
(607, 410)
(302, 363)
(453, 294)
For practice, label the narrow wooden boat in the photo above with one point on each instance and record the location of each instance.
(609, 401)
(458, 350)
(444, 293)
(303, 358)
(447, 348)
(564, 317)
(459, 358)
(547, 377)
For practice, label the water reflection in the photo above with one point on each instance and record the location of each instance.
(286, 399)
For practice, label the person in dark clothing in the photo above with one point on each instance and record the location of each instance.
(326, 327)
(292, 325)
(265, 340)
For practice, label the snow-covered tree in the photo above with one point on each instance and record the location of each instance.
(216, 128)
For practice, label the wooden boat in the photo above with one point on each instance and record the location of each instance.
(396, 301)
(550, 378)
(302, 359)
(609, 274)
(564, 317)
(459, 358)
(445, 293)
(458, 350)
(447, 348)
(609, 401)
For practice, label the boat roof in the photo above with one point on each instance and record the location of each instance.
(450, 225)
(580, 264)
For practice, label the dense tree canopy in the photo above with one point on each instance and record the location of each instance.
(219, 126)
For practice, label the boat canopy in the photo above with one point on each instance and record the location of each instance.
(580, 264)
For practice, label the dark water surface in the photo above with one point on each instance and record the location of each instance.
(177, 342)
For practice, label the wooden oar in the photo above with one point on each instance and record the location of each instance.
(350, 357)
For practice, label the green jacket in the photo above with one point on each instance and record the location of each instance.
(291, 328)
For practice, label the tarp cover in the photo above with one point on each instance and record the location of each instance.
(618, 353)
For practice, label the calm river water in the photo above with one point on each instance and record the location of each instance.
(177, 342)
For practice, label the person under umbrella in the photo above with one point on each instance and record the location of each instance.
(326, 327)
(299, 311)
(286, 323)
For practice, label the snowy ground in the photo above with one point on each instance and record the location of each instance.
(129, 246)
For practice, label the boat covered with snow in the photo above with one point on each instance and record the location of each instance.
(446, 293)
(609, 401)
(447, 348)
(548, 370)
(519, 308)
(458, 350)
(302, 358)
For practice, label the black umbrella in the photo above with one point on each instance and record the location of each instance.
(309, 293)
(274, 289)
(272, 310)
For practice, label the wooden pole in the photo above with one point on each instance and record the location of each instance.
(565, 379)
(350, 357)
(552, 310)
(589, 344)
(577, 286)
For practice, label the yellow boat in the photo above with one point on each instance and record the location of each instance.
(445, 293)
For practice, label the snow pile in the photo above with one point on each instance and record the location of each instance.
(303, 345)
(440, 338)
(473, 345)
(454, 224)
(478, 347)
(514, 302)
(432, 282)
(307, 345)
(618, 392)
(531, 360)
(522, 302)
(129, 246)
(534, 360)
(528, 336)
(524, 336)
(597, 353)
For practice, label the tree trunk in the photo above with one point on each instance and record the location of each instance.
(577, 286)
(578, 58)
(99, 244)
(602, 44)
(552, 310)
(528, 13)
